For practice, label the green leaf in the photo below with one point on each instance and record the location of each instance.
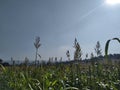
(3, 68)
(106, 47)
(116, 39)
(54, 82)
(23, 76)
(30, 86)
(73, 88)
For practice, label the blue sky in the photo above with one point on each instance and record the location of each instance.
(57, 22)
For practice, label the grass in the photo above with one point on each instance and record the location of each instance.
(72, 76)
(62, 77)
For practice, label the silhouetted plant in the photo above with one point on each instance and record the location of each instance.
(92, 56)
(13, 61)
(26, 61)
(68, 54)
(78, 51)
(92, 59)
(86, 56)
(37, 44)
(55, 59)
(98, 49)
(60, 59)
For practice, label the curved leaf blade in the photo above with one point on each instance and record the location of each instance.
(116, 39)
(106, 48)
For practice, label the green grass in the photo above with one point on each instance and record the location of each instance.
(61, 77)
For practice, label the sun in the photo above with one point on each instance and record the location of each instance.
(113, 2)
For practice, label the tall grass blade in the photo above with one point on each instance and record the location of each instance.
(30, 86)
(71, 88)
(106, 49)
(3, 68)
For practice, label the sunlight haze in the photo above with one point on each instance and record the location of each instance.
(57, 23)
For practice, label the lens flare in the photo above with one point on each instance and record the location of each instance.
(113, 2)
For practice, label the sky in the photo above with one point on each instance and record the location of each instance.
(57, 23)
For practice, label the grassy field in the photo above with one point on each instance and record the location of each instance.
(61, 77)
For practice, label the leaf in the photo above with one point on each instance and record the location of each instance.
(116, 39)
(23, 76)
(73, 88)
(3, 68)
(30, 86)
(106, 47)
(54, 82)
(39, 55)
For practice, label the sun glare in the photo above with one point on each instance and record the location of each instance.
(113, 2)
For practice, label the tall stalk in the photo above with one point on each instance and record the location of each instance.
(37, 45)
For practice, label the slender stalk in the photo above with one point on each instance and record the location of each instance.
(36, 56)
